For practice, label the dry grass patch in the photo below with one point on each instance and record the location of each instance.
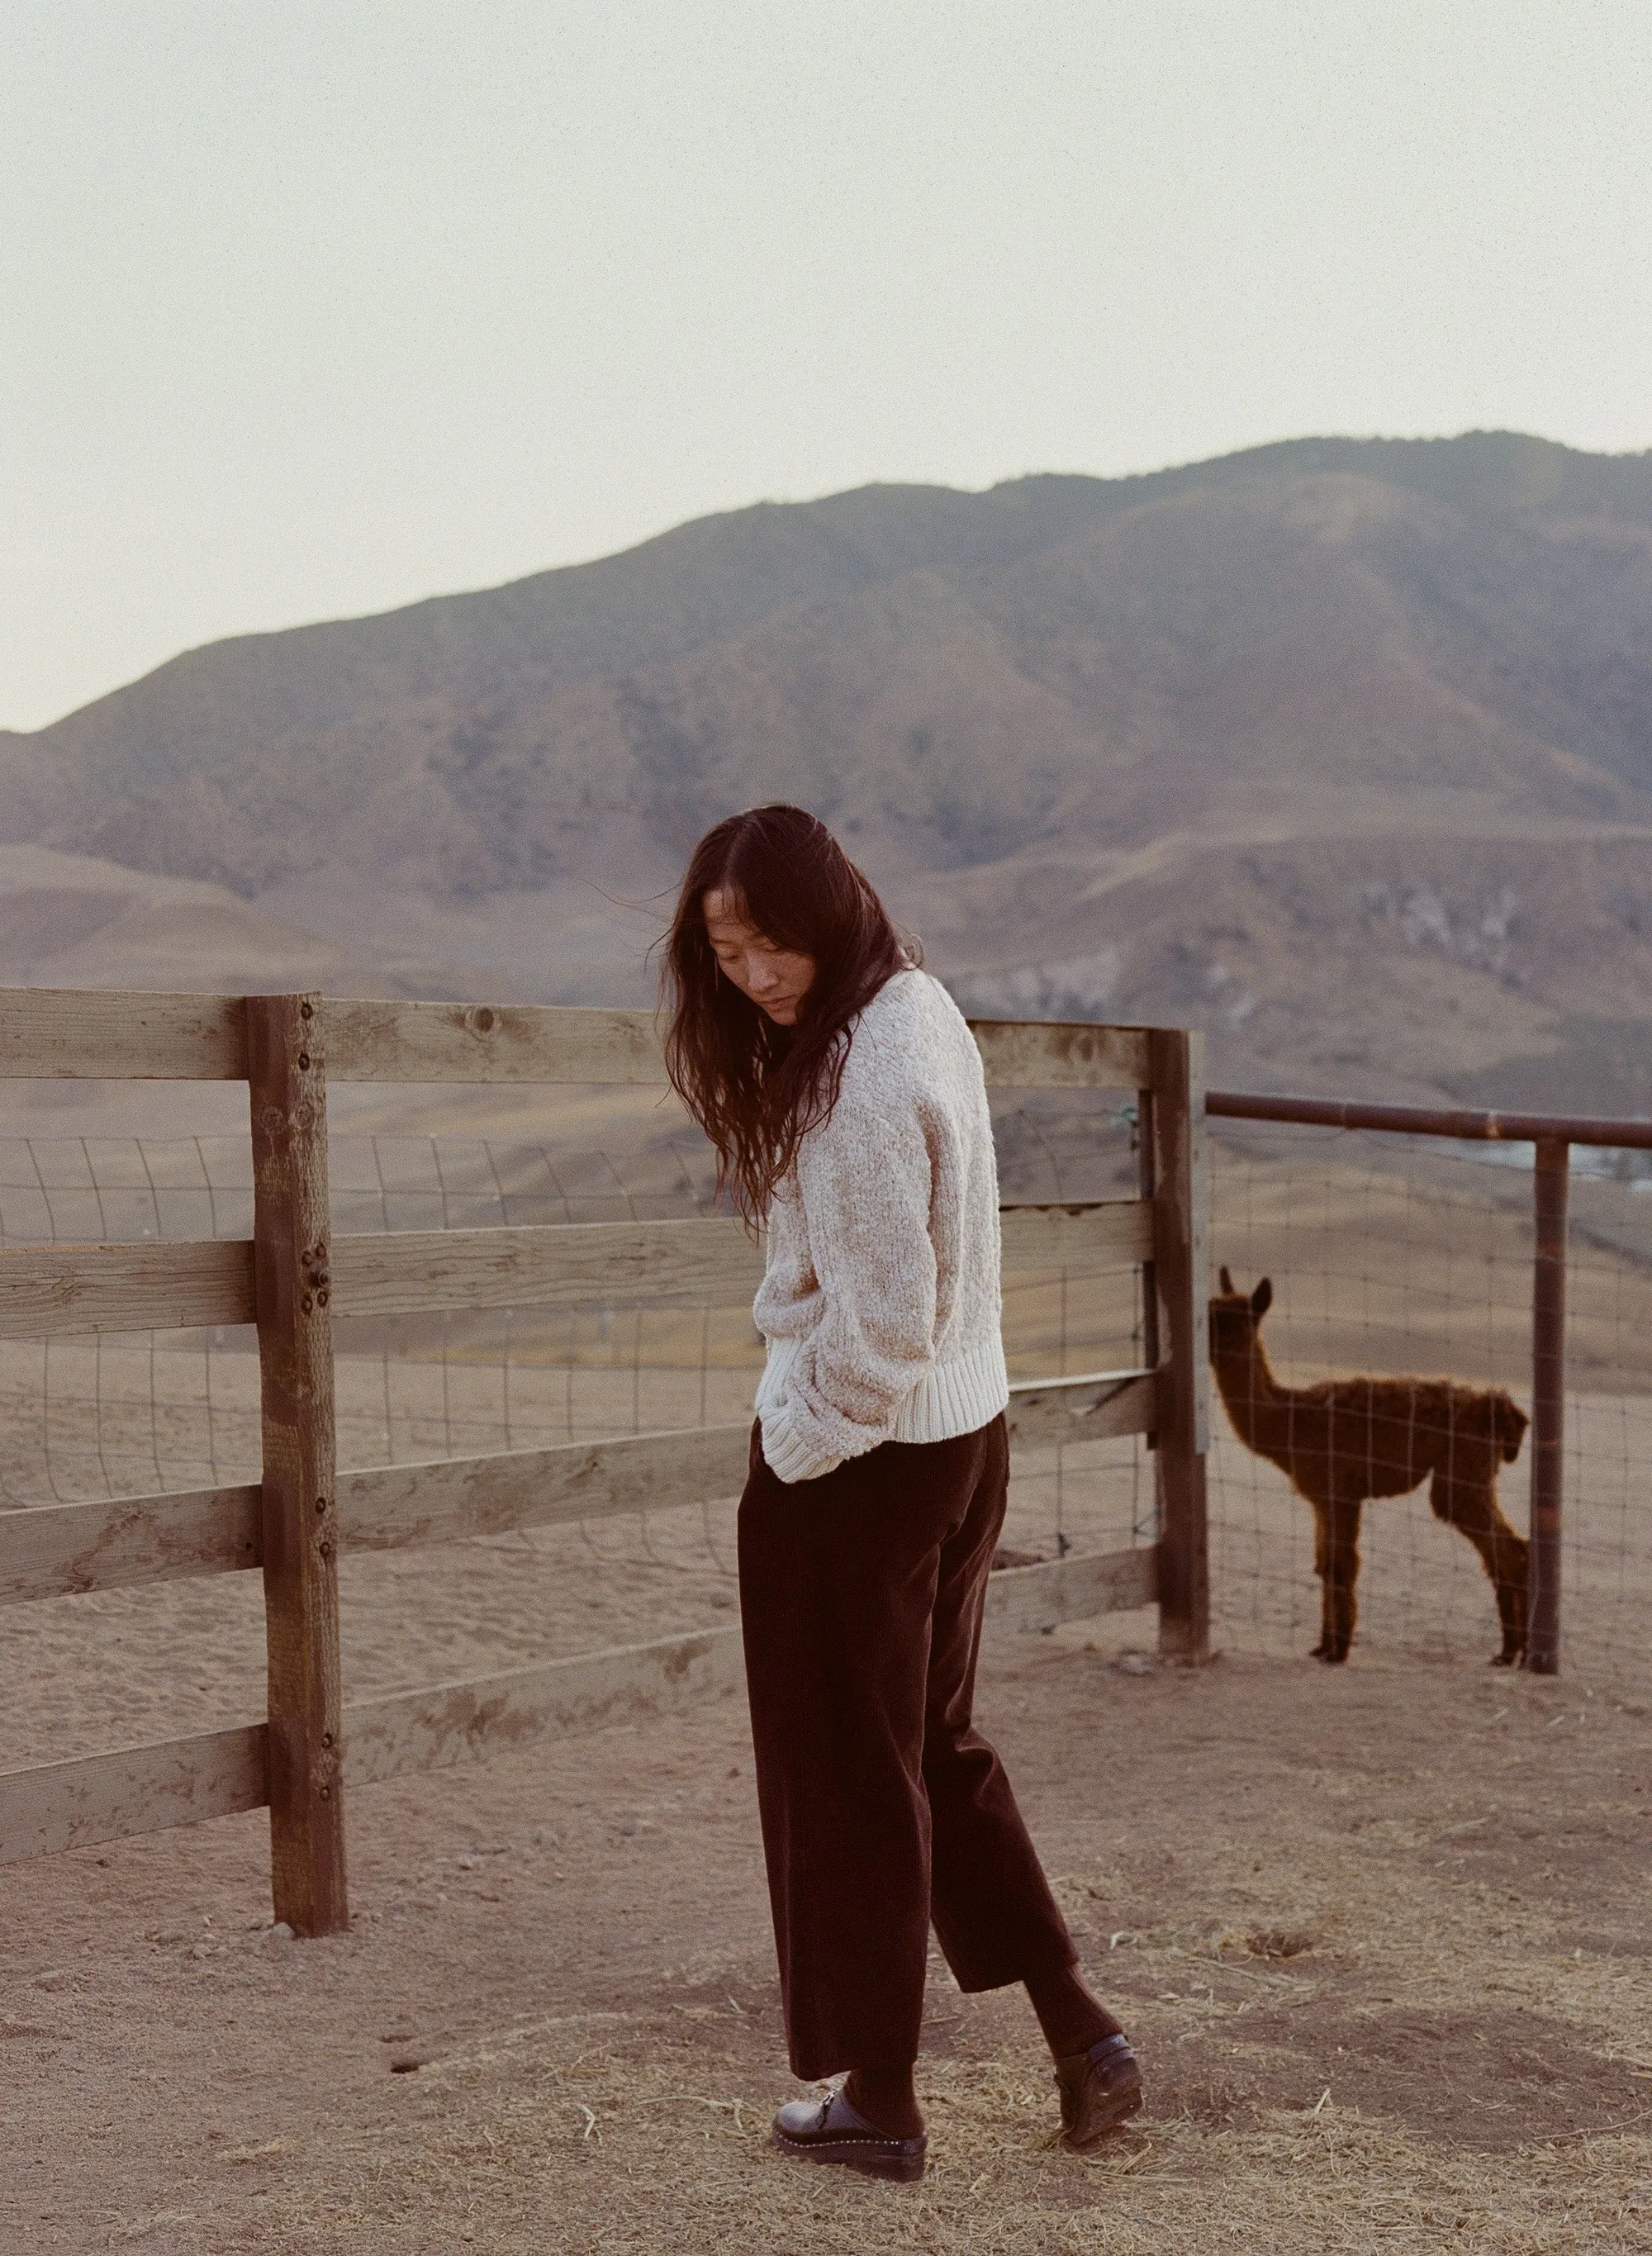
(605, 2132)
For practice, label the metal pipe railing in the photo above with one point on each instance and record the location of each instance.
(1417, 1120)
(1550, 1180)
(1553, 1134)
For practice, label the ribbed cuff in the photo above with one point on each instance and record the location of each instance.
(788, 1457)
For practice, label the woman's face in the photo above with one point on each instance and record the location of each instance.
(777, 979)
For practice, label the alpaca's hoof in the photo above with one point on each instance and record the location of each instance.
(1506, 1660)
(1329, 1655)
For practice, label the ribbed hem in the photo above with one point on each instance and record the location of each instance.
(959, 1396)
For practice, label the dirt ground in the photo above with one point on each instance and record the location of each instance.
(1382, 1938)
(1383, 1935)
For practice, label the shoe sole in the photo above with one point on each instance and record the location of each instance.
(1115, 2110)
(870, 2164)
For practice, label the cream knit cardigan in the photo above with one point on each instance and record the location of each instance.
(880, 1301)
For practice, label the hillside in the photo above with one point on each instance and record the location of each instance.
(1342, 748)
(69, 920)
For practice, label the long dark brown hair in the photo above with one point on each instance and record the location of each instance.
(755, 1088)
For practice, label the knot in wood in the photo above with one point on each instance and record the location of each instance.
(480, 1020)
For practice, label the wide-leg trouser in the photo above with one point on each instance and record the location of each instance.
(883, 1808)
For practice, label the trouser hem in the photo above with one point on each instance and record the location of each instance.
(974, 1983)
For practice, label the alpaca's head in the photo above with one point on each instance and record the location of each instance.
(1235, 1317)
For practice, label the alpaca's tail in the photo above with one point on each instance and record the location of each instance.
(1510, 1422)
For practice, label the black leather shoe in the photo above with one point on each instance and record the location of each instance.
(831, 2130)
(1099, 2089)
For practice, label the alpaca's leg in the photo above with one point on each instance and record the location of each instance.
(1470, 1504)
(1509, 1566)
(1341, 1523)
(1322, 1567)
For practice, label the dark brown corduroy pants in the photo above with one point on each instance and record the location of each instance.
(883, 1808)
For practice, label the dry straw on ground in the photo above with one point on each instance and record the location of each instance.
(632, 2133)
(1380, 1935)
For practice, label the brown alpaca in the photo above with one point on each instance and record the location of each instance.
(1343, 1440)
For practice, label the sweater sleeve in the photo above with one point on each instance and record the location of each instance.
(864, 1178)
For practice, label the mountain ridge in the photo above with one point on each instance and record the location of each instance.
(1365, 669)
(1545, 475)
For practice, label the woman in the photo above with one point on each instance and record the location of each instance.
(845, 1095)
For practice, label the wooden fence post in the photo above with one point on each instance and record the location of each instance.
(291, 1235)
(1184, 1379)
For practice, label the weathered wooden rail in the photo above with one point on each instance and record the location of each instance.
(292, 1276)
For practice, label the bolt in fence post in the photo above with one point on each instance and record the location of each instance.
(1176, 1060)
(1550, 1180)
(291, 1243)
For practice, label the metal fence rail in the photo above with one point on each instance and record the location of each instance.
(1551, 1138)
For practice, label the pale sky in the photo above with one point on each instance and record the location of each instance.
(308, 310)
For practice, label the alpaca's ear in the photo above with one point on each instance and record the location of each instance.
(1227, 1280)
(1263, 1298)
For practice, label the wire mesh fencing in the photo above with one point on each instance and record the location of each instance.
(107, 1416)
(120, 1414)
(1386, 1256)
(1393, 1256)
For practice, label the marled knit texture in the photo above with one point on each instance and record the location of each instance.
(881, 1302)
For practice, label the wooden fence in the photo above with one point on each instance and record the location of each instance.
(292, 1276)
